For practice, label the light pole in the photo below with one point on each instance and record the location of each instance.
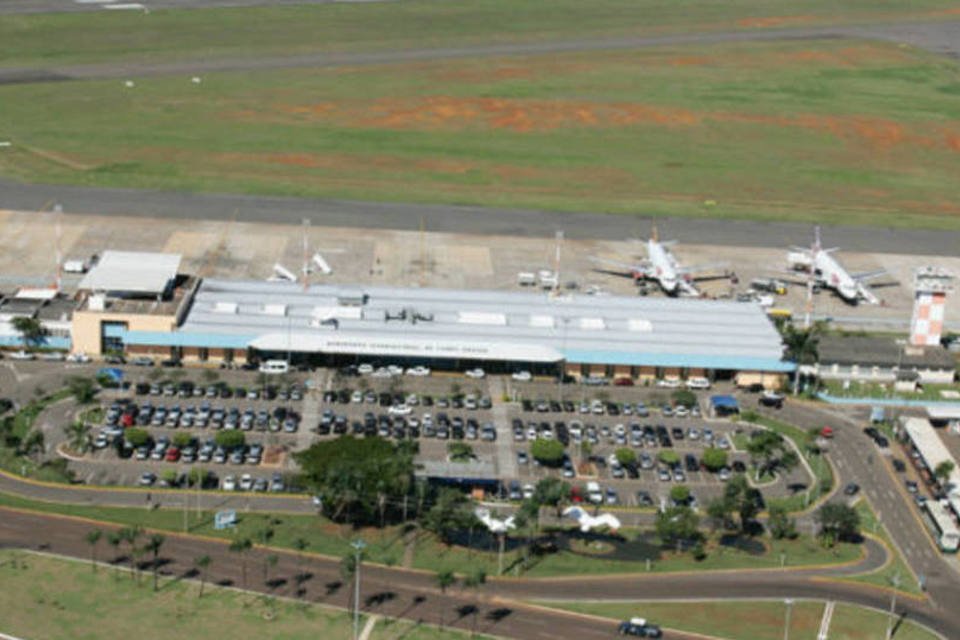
(895, 581)
(358, 547)
(786, 622)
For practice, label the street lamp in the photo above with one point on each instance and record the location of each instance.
(786, 623)
(358, 547)
(895, 581)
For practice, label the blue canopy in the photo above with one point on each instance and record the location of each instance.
(111, 372)
(724, 402)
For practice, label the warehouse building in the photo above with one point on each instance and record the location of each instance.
(163, 314)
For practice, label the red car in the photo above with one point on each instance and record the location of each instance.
(826, 432)
(173, 454)
(127, 419)
(623, 382)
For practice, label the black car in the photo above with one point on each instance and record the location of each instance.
(882, 442)
(898, 465)
(851, 489)
(644, 499)
(639, 630)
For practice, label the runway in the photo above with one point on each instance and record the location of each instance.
(464, 219)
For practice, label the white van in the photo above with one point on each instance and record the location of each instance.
(594, 494)
(274, 366)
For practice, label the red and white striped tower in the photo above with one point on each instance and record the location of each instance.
(930, 286)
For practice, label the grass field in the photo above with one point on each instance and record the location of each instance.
(123, 36)
(753, 620)
(46, 597)
(897, 568)
(387, 546)
(850, 131)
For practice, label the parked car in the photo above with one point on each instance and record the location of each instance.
(476, 374)
(522, 376)
(640, 628)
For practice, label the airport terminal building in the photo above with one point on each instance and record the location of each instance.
(160, 313)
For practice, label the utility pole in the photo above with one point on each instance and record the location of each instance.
(358, 547)
(893, 603)
(786, 623)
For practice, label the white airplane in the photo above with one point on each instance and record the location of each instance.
(494, 525)
(662, 267)
(588, 522)
(829, 274)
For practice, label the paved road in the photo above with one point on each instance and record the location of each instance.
(859, 460)
(460, 219)
(500, 611)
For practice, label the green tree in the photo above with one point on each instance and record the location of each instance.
(684, 398)
(93, 537)
(714, 459)
(154, 543)
(680, 494)
(769, 452)
(269, 562)
(197, 476)
(943, 471)
(669, 458)
(552, 492)
(801, 346)
(626, 456)
(780, 524)
(136, 436)
(677, 526)
(130, 535)
(300, 544)
(209, 376)
(452, 511)
(169, 477)
(83, 390)
(547, 452)
(241, 546)
(459, 452)
(202, 563)
(33, 445)
(182, 439)
(31, 330)
(78, 436)
(720, 512)
(838, 521)
(231, 439)
(358, 478)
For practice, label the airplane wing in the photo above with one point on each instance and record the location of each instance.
(642, 267)
(688, 289)
(868, 275)
(866, 294)
(700, 268)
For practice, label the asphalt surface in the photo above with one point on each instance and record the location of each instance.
(500, 611)
(462, 219)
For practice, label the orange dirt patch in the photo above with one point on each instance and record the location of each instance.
(774, 21)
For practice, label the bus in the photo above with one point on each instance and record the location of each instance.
(944, 527)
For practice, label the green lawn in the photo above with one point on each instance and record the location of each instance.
(881, 391)
(387, 546)
(779, 130)
(46, 597)
(172, 34)
(898, 568)
(753, 620)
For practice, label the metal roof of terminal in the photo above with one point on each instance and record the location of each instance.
(487, 325)
(132, 272)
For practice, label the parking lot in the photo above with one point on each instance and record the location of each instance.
(184, 417)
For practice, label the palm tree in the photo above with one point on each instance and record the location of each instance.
(241, 546)
(114, 539)
(474, 581)
(153, 545)
(300, 545)
(943, 470)
(78, 436)
(801, 346)
(444, 579)
(130, 536)
(270, 561)
(92, 538)
(202, 563)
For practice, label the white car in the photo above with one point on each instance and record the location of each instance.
(22, 355)
(52, 356)
(356, 397)
(528, 491)
(365, 369)
(669, 383)
(419, 372)
(698, 383)
(400, 410)
(382, 372)
(395, 369)
(475, 373)
(79, 356)
(681, 411)
(522, 376)
(229, 483)
(246, 482)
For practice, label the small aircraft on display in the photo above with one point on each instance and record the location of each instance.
(588, 522)
(662, 267)
(827, 273)
(494, 525)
